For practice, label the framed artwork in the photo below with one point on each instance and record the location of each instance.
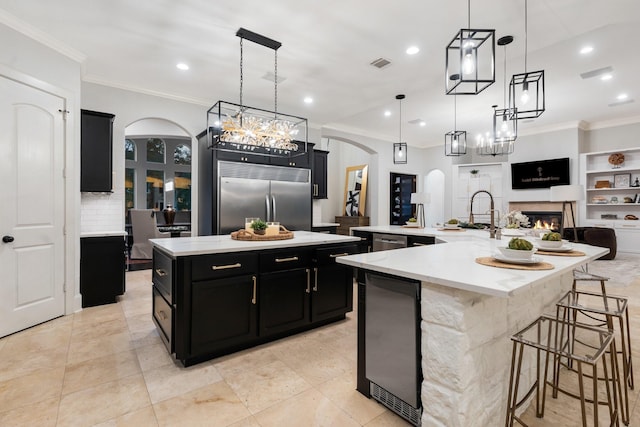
(622, 180)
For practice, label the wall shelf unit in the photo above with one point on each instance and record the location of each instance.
(606, 206)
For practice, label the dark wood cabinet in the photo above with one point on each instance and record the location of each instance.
(101, 269)
(96, 151)
(319, 174)
(420, 240)
(223, 313)
(346, 222)
(220, 303)
(332, 291)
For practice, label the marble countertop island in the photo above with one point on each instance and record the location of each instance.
(201, 245)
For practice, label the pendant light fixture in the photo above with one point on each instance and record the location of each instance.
(526, 90)
(400, 148)
(505, 121)
(455, 142)
(237, 126)
(471, 56)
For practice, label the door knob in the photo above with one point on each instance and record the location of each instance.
(7, 239)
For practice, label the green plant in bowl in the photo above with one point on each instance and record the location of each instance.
(259, 226)
(412, 220)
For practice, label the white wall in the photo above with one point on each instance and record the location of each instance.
(612, 138)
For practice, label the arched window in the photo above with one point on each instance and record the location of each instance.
(155, 150)
(182, 155)
(129, 149)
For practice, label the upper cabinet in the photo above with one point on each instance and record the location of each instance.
(96, 151)
(319, 174)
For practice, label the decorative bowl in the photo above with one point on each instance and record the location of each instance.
(549, 243)
(516, 253)
(451, 226)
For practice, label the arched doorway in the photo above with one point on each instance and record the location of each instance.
(434, 184)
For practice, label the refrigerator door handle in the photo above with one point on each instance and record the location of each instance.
(273, 199)
(266, 200)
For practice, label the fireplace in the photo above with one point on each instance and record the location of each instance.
(550, 220)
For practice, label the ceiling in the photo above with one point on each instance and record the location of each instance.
(327, 48)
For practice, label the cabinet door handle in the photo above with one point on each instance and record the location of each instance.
(308, 290)
(254, 300)
(315, 189)
(293, 258)
(224, 267)
(419, 244)
(337, 255)
(315, 279)
(160, 272)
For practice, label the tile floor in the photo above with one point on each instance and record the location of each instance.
(106, 366)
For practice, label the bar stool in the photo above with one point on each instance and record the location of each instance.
(603, 309)
(547, 335)
(583, 276)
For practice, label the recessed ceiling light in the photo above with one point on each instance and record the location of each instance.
(622, 97)
(423, 123)
(308, 100)
(586, 50)
(412, 50)
(605, 77)
(182, 66)
(387, 113)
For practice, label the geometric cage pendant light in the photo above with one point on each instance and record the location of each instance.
(505, 121)
(455, 141)
(400, 148)
(526, 90)
(471, 56)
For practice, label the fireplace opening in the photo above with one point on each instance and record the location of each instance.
(545, 220)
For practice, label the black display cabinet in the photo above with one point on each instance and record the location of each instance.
(401, 187)
(102, 263)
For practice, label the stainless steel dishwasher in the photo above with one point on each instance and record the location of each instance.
(383, 242)
(392, 344)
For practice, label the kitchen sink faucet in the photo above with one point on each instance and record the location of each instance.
(492, 225)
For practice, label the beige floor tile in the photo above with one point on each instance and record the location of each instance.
(237, 363)
(342, 392)
(103, 402)
(309, 408)
(144, 338)
(22, 362)
(247, 422)
(141, 323)
(153, 356)
(173, 380)
(31, 388)
(98, 371)
(89, 331)
(134, 307)
(212, 405)
(97, 315)
(81, 350)
(144, 417)
(266, 385)
(41, 414)
(3, 342)
(389, 419)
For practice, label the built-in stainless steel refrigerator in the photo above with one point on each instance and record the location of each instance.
(272, 193)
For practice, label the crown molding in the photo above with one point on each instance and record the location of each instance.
(30, 31)
(102, 82)
(614, 122)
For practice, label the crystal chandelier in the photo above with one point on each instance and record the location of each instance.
(237, 126)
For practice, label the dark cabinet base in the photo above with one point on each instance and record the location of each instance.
(101, 270)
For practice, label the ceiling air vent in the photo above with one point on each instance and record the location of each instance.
(597, 73)
(380, 63)
(626, 101)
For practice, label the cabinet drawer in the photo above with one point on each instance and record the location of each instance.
(286, 259)
(328, 255)
(163, 318)
(163, 274)
(205, 267)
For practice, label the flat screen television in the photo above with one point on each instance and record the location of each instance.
(540, 174)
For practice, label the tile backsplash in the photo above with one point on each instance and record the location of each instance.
(101, 212)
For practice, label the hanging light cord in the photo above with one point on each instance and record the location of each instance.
(400, 122)
(241, 77)
(504, 91)
(455, 113)
(469, 13)
(525, 35)
(275, 84)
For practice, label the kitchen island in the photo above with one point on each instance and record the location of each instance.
(213, 295)
(467, 312)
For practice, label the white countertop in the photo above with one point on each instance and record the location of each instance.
(325, 224)
(453, 264)
(103, 233)
(200, 245)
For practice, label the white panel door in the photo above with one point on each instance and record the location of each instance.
(32, 211)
